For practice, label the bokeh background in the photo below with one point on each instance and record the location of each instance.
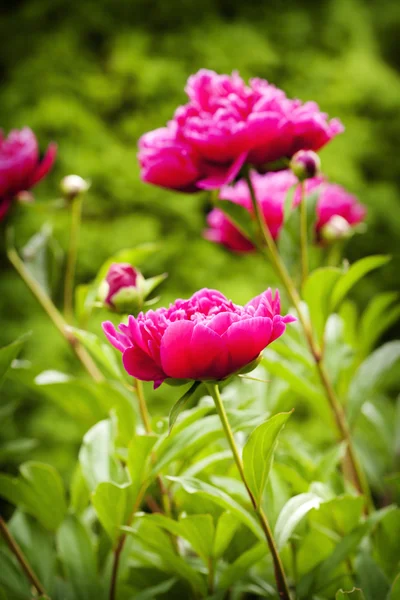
(95, 75)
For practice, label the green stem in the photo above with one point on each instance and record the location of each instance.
(272, 253)
(280, 577)
(16, 550)
(303, 234)
(211, 575)
(76, 212)
(54, 314)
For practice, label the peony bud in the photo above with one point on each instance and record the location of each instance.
(73, 185)
(305, 164)
(127, 289)
(337, 228)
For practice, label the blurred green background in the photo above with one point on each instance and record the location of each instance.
(95, 75)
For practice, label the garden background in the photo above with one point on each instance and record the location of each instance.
(94, 75)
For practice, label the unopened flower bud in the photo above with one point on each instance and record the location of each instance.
(24, 197)
(305, 164)
(73, 185)
(127, 289)
(337, 228)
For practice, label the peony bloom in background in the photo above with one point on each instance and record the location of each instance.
(337, 210)
(206, 337)
(226, 124)
(271, 190)
(20, 165)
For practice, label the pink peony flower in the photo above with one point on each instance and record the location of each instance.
(335, 201)
(271, 190)
(20, 166)
(226, 124)
(119, 277)
(206, 337)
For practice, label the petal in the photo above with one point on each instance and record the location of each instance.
(220, 175)
(140, 365)
(209, 354)
(221, 322)
(175, 350)
(246, 339)
(118, 340)
(45, 165)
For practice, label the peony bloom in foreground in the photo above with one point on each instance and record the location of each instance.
(206, 337)
(226, 124)
(20, 165)
(271, 191)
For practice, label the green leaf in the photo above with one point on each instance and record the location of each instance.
(241, 567)
(258, 453)
(288, 205)
(112, 506)
(239, 216)
(135, 256)
(79, 491)
(371, 578)
(181, 403)
(139, 454)
(38, 491)
(78, 558)
(353, 275)
(292, 513)
(100, 350)
(317, 292)
(394, 593)
(8, 354)
(225, 530)
(152, 592)
(379, 315)
(369, 375)
(97, 459)
(205, 490)
(354, 594)
(42, 257)
(387, 542)
(12, 578)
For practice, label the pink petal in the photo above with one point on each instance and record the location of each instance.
(175, 350)
(246, 339)
(220, 175)
(140, 365)
(209, 354)
(45, 165)
(118, 340)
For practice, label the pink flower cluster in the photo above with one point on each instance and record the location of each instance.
(271, 190)
(226, 124)
(206, 337)
(20, 166)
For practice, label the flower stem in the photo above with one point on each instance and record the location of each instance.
(358, 475)
(16, 550)
(283, 589)
(76, 212)
(303, 234)
(54, 314)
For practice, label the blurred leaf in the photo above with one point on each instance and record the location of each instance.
(292, 513)
(97, 459)
(78, 558)
(112, 506)
(288, 205)
(377, 318)
(195, 486)
(153, 592)
(42, 257)
(179, 405)
(134, 256)
(372, 580)
(239, 216)
(353, 275)
(317, 293)
(12, 578)
(258, 453)
(16, 448)
(369, 375)
(8, 354)
(100, 350)
(79, 491)
(354, 594)
(38, 490)
(139, 454)
(226, 527)
(394, 593)
(387, 543)
(242, 565)
(329, 461)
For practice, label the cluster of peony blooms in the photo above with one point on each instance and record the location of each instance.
(206, 337)
(20, 165)
(334, 206)
(225, 125)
